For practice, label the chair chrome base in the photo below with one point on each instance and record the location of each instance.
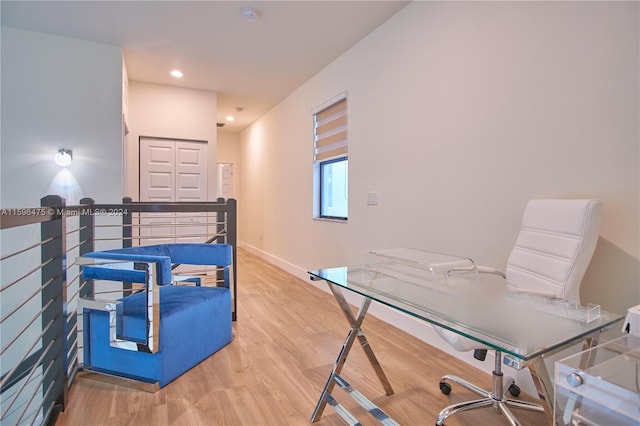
(497, 398)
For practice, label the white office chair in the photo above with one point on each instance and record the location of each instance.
(551, 254)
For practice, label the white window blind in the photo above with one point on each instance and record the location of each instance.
(330, 132)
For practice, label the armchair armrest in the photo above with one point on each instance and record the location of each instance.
(115, 266)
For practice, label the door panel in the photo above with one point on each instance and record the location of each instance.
(157, 171)
(191, 185)
(173, 171)
(191, 171)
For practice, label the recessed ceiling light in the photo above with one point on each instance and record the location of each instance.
(249, 13)
(230, 118)
(176, 73)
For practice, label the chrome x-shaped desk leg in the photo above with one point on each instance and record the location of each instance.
(355, 332)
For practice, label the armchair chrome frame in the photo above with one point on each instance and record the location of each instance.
(152, 292)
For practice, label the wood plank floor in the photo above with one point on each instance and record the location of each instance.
(286, 339)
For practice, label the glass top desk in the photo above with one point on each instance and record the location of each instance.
(446, 292)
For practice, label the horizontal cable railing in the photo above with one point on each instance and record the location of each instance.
(41, 285)
(32, 262)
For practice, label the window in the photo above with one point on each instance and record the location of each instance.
(330, 143)
(334, 187)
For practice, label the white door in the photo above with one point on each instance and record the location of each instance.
(172, 171)
(191, 185)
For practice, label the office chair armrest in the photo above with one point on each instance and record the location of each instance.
(533, 293)
(490, 270)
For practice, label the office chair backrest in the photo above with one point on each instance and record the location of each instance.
(553, 250)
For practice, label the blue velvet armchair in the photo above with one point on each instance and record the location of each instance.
(157, 334)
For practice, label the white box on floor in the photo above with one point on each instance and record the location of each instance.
(604, 394)
(632, 321)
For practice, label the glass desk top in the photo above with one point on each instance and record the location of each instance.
(448, 292)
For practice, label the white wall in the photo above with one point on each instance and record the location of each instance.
(459, 112)
(170, 112)
(228, 148)
(59, 92)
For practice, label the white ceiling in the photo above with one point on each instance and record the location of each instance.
(251, 65)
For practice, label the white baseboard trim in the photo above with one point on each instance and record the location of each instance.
(405, 322)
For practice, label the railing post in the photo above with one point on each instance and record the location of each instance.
(227, 218)
(219, 235)
(127, 238)
(87, 239)
(232, 238)
(221, 221)
(127, 222)
(54, 316)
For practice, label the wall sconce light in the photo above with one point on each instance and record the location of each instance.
(63, 157)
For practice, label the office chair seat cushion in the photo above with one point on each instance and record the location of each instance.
(195, 322)
(459, 342)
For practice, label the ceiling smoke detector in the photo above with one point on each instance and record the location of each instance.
(249, 13)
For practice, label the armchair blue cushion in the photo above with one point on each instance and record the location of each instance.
(195, 321)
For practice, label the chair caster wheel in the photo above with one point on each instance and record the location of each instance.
(445, 388)
(514, 390)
